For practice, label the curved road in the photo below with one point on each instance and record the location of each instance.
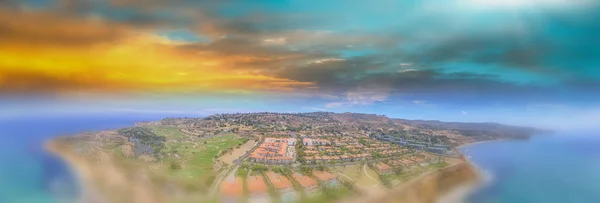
(365, 170)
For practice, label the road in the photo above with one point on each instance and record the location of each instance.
(365, 170)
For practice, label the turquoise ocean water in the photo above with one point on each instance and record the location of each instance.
(558, 168)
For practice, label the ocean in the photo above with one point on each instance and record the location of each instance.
(28, 174)
(558, 168)
(546, 169)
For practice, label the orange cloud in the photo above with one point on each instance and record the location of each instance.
(51, 53)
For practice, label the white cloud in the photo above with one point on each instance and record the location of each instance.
(275, 41)
(361, 96)
(464, 113)
(419, 102)
(325, 60)
(407, 70)
(337, 104)
(314, 108)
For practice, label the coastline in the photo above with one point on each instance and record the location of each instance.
(459, 194)
(431, 186)
(88, 193)
(482, 142)
(455, 194)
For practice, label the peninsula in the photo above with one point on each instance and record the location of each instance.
(277, 157)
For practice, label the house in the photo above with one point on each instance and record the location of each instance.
(310, 185)
(280, 183)
(382, 168)
(232, 190)
(326, 178)
(315, 142)
(257, 189)
(345, 158)
(274, 151)
(283, 186)
(256, 186)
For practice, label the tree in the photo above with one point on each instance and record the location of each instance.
(175, 166)
(305, 170)
(398, 171)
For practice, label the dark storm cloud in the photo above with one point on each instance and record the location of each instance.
(504, 49)
(378, 71)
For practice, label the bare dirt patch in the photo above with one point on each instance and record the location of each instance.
(229, 157)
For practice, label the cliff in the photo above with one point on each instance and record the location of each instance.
(429, 187)
(104, 182)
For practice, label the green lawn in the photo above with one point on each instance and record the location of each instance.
(196, 169)
(407, 173)
(168, 132)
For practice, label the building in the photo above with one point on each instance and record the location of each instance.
(256, 186)
(257, 189)
(274, 151)
(310, 185)
(382, 168)
(438, 150)
(326, 178)
(232, 190)
(315, 142)
(280, 183)
(289, 141)
(417, 146)
(283, 186)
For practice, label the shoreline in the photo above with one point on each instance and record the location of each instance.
(87, 192)
(481, 142)
(460, 194)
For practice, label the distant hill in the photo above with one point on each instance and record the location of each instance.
(351, 124)
(477, 130)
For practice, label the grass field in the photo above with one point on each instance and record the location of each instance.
(414, 171)
(168, 132)
(356, 173)
(189, 160)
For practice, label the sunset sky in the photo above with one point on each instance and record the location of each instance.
(529, 62)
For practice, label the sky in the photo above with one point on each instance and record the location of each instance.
(524, 62)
